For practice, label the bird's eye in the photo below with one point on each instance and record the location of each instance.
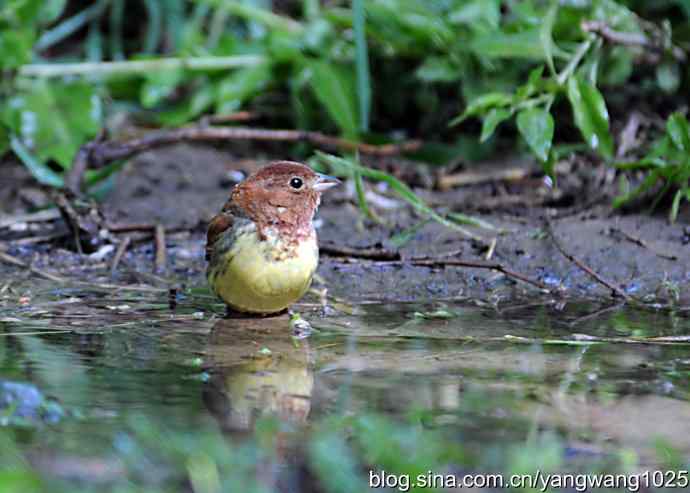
(296, 183)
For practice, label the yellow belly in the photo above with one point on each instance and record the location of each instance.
(257, 276)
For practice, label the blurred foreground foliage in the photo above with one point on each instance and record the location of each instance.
(338, 455)
(540, 75)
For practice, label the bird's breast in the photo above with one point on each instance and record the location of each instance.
(261, 275)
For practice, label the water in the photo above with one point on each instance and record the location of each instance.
(154, 399)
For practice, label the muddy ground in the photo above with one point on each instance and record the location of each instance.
(182, 186)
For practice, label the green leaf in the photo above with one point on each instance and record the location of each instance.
(536, 126)
(15, 46)
(477, 11)
(240, 86)
(533, 84)
(591, 115)
(438, 69)
(158, 85)
(492, 120)
(546, 35)
(646, 184)
(36, 167)
(678, 130)
(522, 45)
(4, 139)
(668, 77)
(673, 213)
(334, 88)
(482, 104)
(53, 120)
(51, 10)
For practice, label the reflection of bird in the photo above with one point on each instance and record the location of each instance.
(262, 248)
(257, 369)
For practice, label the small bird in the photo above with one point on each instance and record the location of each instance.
(262, 248)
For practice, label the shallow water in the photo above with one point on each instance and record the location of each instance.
(182, 399)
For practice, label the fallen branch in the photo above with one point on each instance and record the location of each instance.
(32, 217)
(465, 178)
(450, 262)
(364, 253)
(632, 39)
(9, 259)
(617, 290)
(119, 253)
(100, 152)
(640, 242)
(161, 254)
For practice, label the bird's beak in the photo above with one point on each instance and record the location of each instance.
(324, 182)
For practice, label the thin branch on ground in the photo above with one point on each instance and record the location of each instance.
(602, 29)
(640, 242)
(100, 152)
(364, 253)
(9, 259)
(32, 217)
(443, 262)
(161, 254)
(119, 253)
(466, 178)
(615, 289)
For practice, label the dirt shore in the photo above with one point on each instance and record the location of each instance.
(182, 186)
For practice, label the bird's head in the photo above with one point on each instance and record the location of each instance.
(284, 193)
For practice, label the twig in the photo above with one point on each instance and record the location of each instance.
(32, 240)
(491, 250)
(134, 67)
(643, 244)
(617, 290)
(160, 249)
(479, 265)
(121, 249)
(9, 259)
(33, 217)
(129, 227)
(630, 39)
(449, 262)
(628, 136)
(238, 116)
(446, 182)
(99, 153)
(595, 314)
(365, 253)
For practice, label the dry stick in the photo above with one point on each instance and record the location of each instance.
(465, 178)
(160, 249)
(121, 249)
(9, 259)
(100, 152)
(365, 253)
(630, 39)
(238, 116)
(446, 262)
(643, 244)
(32, 217)
(584, 267)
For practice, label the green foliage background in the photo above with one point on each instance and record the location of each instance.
(367, 69)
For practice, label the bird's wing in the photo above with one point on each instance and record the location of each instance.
(218, 225)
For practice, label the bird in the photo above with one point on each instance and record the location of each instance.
(262, 248)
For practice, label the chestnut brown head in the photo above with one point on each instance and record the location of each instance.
(284, 193)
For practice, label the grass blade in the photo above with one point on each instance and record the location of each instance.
(362, 64)
(347, 167)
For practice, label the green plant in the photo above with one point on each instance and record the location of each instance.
(668, 162)
(369, 70)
